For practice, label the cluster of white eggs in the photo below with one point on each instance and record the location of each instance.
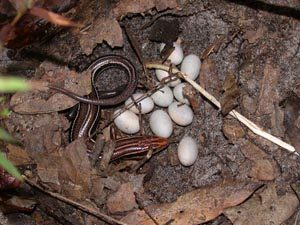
(178, 110)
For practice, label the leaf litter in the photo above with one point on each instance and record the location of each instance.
(65, 168)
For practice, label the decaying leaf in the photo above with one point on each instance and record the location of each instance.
(262, 167)
(16, 204)
(291, 117)
(231, 94)
(76, 171)
(208, 78)
(232, 130)
(195, 207)
(139, 6)
(268, 94)
(268, 208)
(48, 170)
(122, 200)
(17, 155)
(102, 29)
(253, 35)
(33, 102)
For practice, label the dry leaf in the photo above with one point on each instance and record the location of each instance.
(48, 169)
(16, 204)
(17, 155)
(268, 208)
(102, 29)
(52, 17)
(33, 102)
(232, 130)
(124, 7)
(229, 99)
(195, 207)
(208, 78)
(75, 171)
(291, 117)
(122, 200)
(268, 94)
(253, 35)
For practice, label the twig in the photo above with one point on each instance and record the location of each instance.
(79, 206)
(252, 126)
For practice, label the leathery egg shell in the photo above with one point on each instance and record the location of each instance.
(160, 74)
(181, 113)
(161, 124)
(127, 122)
(147, 104)
(163, 97)
(191, 66)
(177, 54)
(187, 151)
(178, 93)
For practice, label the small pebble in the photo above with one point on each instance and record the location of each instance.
(187, 151)
(176, 56)
(178, 93)
(147, 104)
(127, 122)
(181, 113)
(161, 124)
(163, 97)
(160, 74)
(191, 66)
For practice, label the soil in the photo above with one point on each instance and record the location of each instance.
(264, 57)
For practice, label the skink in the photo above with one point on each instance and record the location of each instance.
(88, 110)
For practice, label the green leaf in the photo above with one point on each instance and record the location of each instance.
(11, 84)
(5, 136)
(9, 167)
(5, 113)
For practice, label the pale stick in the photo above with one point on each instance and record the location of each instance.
(252, 126)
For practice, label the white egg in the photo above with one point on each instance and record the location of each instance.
(178, 93)
(161, 124)
(127, 122)
(163, 97)
(160, 74)
(181, 113)
(191, 66)
(176, 56)
(187, 151)
(147, 104)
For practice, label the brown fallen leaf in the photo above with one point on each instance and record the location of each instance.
(33, 102)
(229, 99)
(254, 35)
(124, 7)
(122, 200)
(107, 29)
(268, 208)
(76, 171)
(208, 78)
(262, 167)
(17, 155)
(232, 130)
(291, 119)
(195, 207)
(48, 169)
(268, 94)
(16, 204)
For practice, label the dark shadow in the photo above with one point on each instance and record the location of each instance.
(276, 9)
(41, 56)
